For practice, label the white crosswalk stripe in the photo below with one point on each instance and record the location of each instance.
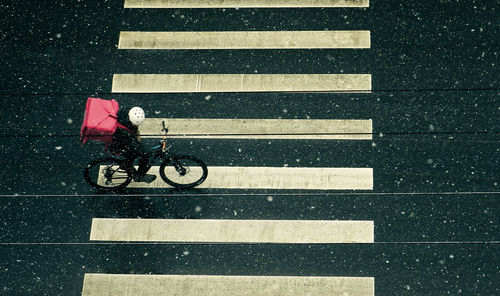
(300, 129)
(194, 83)
(214, 285)
(244, 40)
(287, 178)
(243, 3)
(232, 231)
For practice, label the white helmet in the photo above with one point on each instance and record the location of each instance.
(136, 116)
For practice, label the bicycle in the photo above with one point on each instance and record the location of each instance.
(179, 171)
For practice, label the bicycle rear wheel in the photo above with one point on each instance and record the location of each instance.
(107, 174)
(183, 172)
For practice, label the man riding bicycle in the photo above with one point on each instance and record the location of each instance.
(126, 142)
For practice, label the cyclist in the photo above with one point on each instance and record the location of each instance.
(126, 142)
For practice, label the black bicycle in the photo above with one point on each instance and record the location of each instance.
(179, 171)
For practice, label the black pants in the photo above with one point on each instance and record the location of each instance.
(143, 162)
(133, 150)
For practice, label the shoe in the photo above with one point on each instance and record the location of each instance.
(146, 178)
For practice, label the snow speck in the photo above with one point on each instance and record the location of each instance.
(185, 253)
(69, 121)
(58, 147)
(208, 97)
(157, 112)
(197, 209)
(269, 198)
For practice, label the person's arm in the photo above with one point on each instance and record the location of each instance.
(138, 135)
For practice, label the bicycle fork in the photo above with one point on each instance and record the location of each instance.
(179, 168)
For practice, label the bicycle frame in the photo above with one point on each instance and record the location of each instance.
(164, 147)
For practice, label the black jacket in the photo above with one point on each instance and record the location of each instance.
(125, 140)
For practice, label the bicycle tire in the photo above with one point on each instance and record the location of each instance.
(197, 166)
(93, 170)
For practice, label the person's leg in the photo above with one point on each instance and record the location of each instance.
(130, 158)
(130, 149)
(134, 150)
(143, 164)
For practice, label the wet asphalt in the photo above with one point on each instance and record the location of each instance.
(435, 151)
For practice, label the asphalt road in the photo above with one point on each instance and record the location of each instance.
(435, 150)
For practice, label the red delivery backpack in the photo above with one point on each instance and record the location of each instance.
(100, 120)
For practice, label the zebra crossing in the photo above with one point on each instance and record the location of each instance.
(228, 177)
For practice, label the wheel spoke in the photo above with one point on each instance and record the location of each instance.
(183, 172)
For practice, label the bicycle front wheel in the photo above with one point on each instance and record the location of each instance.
(107, 174)
(183, 172)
